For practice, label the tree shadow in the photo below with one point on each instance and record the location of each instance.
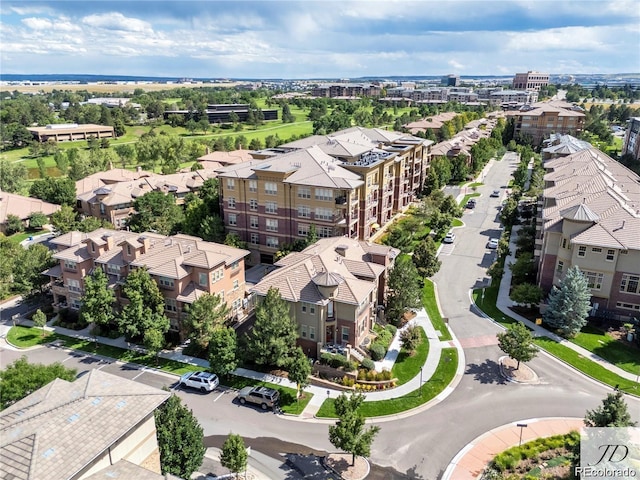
(486, 373)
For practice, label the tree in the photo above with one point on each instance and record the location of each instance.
(569, 305)
(29, 267)
(40, 320)
(274, 334)
(64, 220)
(526, 293)
(234, 454)
(299, 370)
(13, 224)
(22, 378)
(153, 340)
(37, 220)
(145, 309)
(61, 191)
(612, 413)
(204, 315)
(425, 258)
(404, 288)
(180, 438)
(410, 338)
(155, 211)
(12, 176)
(223, 346)
(517, 343)
(97, 300)
(348, 433)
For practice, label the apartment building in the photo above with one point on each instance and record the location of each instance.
(499, 97)
(333, 90)
(542, 119)
(96, 427)
(631, 144)
(530, 81)
(590, 217)
(558, 145)
(333, 288)
(22, 207)
(67, 132)
(184, 267)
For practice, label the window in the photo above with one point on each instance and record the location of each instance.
(254, 239)
(170, 305)
(330, 311)
(128, 249)
(324, 194)
(231, 183)
(236, 284)
(303, 230)
(596, 250)
(93, 247)
(253, 221)
(312, 333)
(73, 285)
(271, 207)
(253, 185)
(560, 267)
(165, 282)
(594, 280)
(611, 254)
(271, 188)
(630, 283)
(582, 251)
(272, 225)
(70, 265)
(303, 331)
(233, 219)
(217, 274)
(308, 308)
(304, 211)
(102, 209)
(75, 304)
(253, 204)
(272, 242)
(203, 279)
(231, 201)
(345, 334)
(304, 192)
(235, 265)
(325, 232)
(628, 306)
(113, 269)
(324, 214)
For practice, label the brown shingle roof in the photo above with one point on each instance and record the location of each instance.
(22, 207)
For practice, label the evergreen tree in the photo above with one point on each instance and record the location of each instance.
(234, 454)
(223, 346)
(517, 343)
(98, 299)
(425, 258)
(569, 305)
(404, 288)
(612, 413)
(204, 315)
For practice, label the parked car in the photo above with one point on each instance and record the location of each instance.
(449, 237)
(495, 193)
(471, 203)
(203, 381)
(263, 396)
(493, 243)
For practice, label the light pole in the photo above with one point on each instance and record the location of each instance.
(421, 381)
(522, 426)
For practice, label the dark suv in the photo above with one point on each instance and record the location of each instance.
(263, 396)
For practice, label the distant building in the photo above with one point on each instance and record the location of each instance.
(530, 80)
(333, 90)
(22, 207)
(632, 138)
(520, 97)
(539, 120)
(220, 113)
(451, 80)
(67, 132)
(558, 145)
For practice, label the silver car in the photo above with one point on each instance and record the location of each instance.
(203, 381)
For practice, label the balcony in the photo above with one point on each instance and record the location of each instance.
(341, 200)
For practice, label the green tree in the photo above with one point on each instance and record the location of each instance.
(65, 219)
(223, 347)
(299, 370)
(22, 378)
(13, 176)
(40, 320)
(569, 305)
(61, 191)
(145, 310)
(411, 337)
(153, 340)
(234, 454)
(37, 220)
(191, 125)
(273, 337)
(204, 315)
(425, 258)
(29, 267)
(404, 288)
(349, 433)
(612, 413)
(13, 224)
(155, 211)
(180, 438)
(517, 343)
(97, 300)
(523, 270)
(526, 293)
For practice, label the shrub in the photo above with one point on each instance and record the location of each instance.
(368, 364)
(392, 329)
(325, 358)
(377, 351)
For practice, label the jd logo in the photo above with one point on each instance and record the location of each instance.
(617, 453)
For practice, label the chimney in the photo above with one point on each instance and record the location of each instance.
(110, 242)
(146, 245)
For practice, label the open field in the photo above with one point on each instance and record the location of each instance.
(110, 87)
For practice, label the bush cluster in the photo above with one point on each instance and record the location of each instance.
(367, 364)
(70, 319)
(336, 360)
(509, 459)
(379, 347)
(367, 387)
(373, 376)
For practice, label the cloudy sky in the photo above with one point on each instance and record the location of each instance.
(324, 39)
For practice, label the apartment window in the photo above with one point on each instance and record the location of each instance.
(271, 188)
(304, 192)
(203, 279)
(303, 331)
(253, 204)
(231, 183)
(596, 250)
(165, 282)
(93, 247)
(233, 219)
(272, 242)
(253, 222)
(309, 308)
(170, 305)
(324, 214)
(560, 267)
(102, 209)
(75, 304)
(272, 225)
(330, 311)
(582, 251)
(611, 254)
(217, 274)
(594, 280)
(303, 230)
(325, 232)
(345, 334)
(630, 283)
(231, 201)
(325, 194)
(253, 185)
(113, 269)
(312, 333)
(254, 239)
(70, 265)
(73, 285)
(304, 211)
(236, 284)
(628, 306)
(235, 265)
(128, 249)
(271, 207)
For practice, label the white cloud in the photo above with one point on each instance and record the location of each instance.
(37, 23)
(457, 66)
(117, 21)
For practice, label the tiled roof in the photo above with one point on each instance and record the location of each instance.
(61, 428)
(22, 207)
(124, 470)
(78, 253)
(226, 158)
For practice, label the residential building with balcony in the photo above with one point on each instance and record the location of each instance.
(333, 90)
(558, 145)
(333, 288)
(589, 216)
(540, 120)
(513, 97)
(530, 80)
(631, 143)
(184, 267)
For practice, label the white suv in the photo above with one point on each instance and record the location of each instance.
(203, 381)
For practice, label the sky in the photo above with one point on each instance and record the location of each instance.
(318, 39)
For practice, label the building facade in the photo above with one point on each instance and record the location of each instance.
(631, 144)
(540, 120)
(530, 80)
(333, 90)
(67, 132)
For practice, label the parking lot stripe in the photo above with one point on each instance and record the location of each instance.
(216, 399)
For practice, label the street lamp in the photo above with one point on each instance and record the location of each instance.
(421, 381)
(521, 425)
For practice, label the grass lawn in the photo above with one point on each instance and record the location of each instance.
(607, 347)
(408, 366)
(487, 303)
(431, 306)
(436, 384)
(467, 197)
(25, 337)
(456, 222)
(18, 237)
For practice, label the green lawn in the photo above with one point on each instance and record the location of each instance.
(19, 237)
(437, 383)
(487, 303)
(456, 222)
(431, 306)
(607, 347)
(25, 337)
(467, 197)
(407, 366)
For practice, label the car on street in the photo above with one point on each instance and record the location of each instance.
(449, 237)
(495, 193)
(471, 204)
(492, 244)
(263, 396)
(203, 381)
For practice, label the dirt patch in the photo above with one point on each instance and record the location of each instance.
(509, 369)
(341, 464)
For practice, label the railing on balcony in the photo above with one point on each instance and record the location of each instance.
(341, 200)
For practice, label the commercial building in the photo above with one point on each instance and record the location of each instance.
(333, 288)
(96, 427)
(500, 97)
(451, 80)
(334, 90)
(540, 120)
(631, 144)
(67, 132)
(590, 217)
(221, 113)
(530, 80)
(22, 207)
(184, 267)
